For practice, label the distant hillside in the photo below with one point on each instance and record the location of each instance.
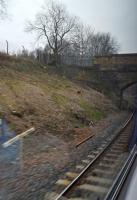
(29, 96)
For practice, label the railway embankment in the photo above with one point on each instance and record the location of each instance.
(52, 158)
(61, 111)
(30, 96)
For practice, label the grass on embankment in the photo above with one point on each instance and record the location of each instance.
(29, 96)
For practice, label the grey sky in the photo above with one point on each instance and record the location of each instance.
(116, 16)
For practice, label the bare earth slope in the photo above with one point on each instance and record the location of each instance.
(61, 112)
(29, 96)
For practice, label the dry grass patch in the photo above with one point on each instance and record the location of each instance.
(30, 96)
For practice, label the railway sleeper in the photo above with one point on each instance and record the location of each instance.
(106, 167)
(120, 145)
(102, 173)
(91, 156)
(72, 174)
(95, 152)
(115, 151)
(86, 161)
(93, 188)
(88, 195)
(63, 182)
(96, 180)
(118, 149)
(51, 195)
(123, 141)
(112, 156)
(109, 160)
(80, 167)
(76, 198)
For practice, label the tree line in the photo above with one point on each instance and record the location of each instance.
(65, 35)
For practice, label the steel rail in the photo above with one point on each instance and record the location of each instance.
(121, 178)
(94, 160)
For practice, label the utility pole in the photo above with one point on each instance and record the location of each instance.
(7, 43)
(23, 48)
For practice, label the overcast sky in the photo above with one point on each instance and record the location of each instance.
(119, 17)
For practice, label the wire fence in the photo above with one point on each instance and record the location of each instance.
(45, 57)
(77, 60)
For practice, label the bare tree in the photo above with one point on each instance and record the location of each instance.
(87, 43)
(101, 44)
(2, 8)
(55, 25)
(81, 39)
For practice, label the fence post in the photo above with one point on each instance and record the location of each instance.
(7, 43)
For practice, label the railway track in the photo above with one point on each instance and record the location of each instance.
(95, 175)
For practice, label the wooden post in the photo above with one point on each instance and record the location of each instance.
(7, 43)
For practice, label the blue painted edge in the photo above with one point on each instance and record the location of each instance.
(133, 138)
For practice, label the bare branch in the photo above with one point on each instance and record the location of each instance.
(56, 25)
(3, 9)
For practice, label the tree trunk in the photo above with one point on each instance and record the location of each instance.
(56, 58)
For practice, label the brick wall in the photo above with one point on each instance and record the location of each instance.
(116, 59)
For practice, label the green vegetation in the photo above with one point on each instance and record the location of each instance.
(82, 76)
(6, 102)
(61, 100)
(14, 85)
(91, 112)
